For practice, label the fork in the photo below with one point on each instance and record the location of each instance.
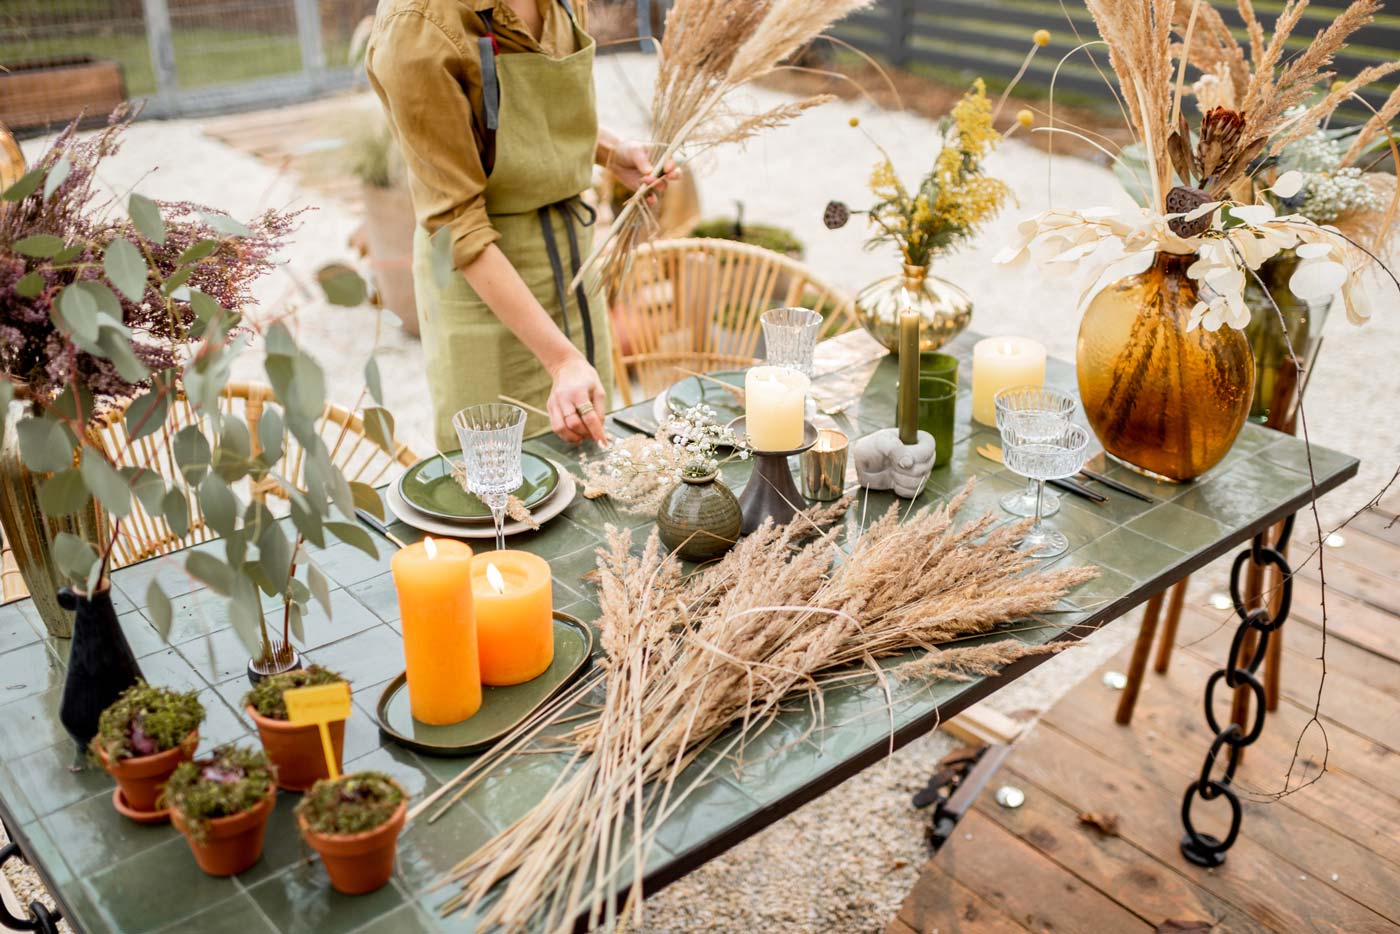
(993, 453)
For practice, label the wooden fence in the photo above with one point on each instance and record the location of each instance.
(990, 38)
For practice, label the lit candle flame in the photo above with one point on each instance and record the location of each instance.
(494, 578)
(430, 547)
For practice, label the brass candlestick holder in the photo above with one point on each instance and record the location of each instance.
(771, 492)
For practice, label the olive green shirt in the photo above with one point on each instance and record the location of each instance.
(424, 62)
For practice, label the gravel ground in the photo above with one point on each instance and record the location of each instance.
(845, 861)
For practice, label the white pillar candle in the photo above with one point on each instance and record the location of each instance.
(774, 403)
(999, 363)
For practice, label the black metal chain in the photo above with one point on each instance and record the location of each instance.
(1205, 849)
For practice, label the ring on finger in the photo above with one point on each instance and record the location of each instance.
(584, 408)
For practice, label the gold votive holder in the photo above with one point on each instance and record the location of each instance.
(824, 467)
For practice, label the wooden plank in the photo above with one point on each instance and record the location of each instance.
(1347, 618)
(1348, 702)
(897, 926)
(1370, 585)
(939, 902)
(1029, 888)
(1253, 878)
(1170, 740)
(1151, 885)
(981, 724)
(1377, 524)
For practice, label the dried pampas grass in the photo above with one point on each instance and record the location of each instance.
(710, 49)
(688, 656)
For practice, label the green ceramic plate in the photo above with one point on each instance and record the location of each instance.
(429, 487)
(692, 391)
(502, 709)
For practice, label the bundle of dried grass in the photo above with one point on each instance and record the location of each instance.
(711, 48)
(688, 656)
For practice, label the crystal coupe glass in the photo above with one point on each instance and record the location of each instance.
(1042, 458)
(1034, 410)
(492, 436)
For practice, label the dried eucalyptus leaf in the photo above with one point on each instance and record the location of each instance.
(146, 414)
(77, 310)
(319, 586)
(379, 427)
(192, 453)
(159, 610)
(368, 499)
(57, 175)
(176, 510)
(215, 574)
(373, 381)
(126, 268)
(105, 483)
(26, 186)
(39, 246)
(145, 215)
(147, 486)
(63, 493)
(342, 285)
(44, 445)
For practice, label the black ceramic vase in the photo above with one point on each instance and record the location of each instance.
(100, 662)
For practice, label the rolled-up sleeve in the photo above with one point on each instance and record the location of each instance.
(422, 75)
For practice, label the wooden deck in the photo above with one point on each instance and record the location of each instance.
(1326, 858)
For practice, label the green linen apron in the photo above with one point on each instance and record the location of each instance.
(542, 113)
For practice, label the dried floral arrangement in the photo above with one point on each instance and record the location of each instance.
(952, 201)
(638, 471)
(1218, 163)
(688, 657)
(711, 49)
(77, 308)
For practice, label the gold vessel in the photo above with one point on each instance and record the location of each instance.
(944, 309)
(1167, 402)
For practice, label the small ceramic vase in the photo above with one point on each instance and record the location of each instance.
(700, 519)
(883, 462)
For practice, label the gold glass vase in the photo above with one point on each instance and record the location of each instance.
(944, 309)
(1164, 401)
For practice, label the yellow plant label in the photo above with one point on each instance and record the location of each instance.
(323, 703)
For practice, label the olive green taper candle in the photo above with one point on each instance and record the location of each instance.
(907, 414)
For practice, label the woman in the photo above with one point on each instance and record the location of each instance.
(492, 104)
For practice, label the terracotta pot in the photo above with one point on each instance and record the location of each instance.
(296, 750)
(358, 862)
(230, 844)
(141, 778)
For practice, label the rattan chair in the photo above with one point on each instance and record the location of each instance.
(696, 303)
(142, 536)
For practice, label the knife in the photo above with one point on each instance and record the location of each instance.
(1115, 485)
(993, 453)
(369, 519)
(634, 426)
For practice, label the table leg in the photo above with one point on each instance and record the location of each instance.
(1137, 667)
(1167, 643)
(1257, 625)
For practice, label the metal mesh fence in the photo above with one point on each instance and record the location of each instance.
(60, 58)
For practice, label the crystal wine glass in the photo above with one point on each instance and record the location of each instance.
(1035, 409)
(790, 340)
(1040, 458)
(491, 436)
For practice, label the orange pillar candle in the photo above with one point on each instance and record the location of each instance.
(514, 598)
(434, 582)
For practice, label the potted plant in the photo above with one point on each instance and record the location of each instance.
(221, 803)
(767, 236)
(295, 749)
(141, 740)
(354, 823)
(113, 323)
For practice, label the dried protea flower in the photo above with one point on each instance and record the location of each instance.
(1182, 200)
(1222, 134)
(836, 216)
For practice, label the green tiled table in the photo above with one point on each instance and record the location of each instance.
(109, 874)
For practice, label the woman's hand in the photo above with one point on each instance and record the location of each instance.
(631, 165)
(577, 402)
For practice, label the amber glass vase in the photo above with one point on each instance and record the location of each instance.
(1165, 401)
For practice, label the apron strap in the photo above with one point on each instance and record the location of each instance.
(644, 34)
(551, 246)
(490, 90)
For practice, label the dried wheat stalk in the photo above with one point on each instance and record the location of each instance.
(687, 657)
(711, 48)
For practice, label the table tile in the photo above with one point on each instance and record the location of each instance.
(1180, 527)
(406, 919)
(347, 617)
(346, 564)
(140, 634)
(513, 787)
(221, 725)
(236, 915)
(399, 764)
(364, 659)
(770, 766)
(300, 900)
(51, 782)
(1242, 493)
(557, 537)
(1134, 555)
(172, 668)
(28, 671)
(217, 658)
(16, 800)
(710, 807)
(282, 845)
(30, 724)
(427, 851)
(157, 887)
(15, 628)
(168, 571)
(379, 596)
(94, 836)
